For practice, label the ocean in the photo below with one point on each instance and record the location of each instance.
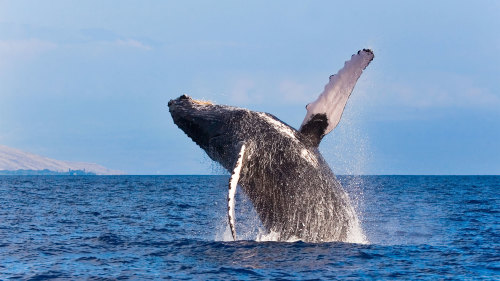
(175, 227)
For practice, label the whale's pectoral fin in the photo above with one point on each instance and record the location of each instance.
(324, 113)
(233, 182)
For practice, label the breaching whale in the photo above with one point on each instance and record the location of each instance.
(280, 169)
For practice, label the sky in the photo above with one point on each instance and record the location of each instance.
(90, 80)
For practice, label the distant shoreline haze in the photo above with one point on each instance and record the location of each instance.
(45, 172)
(17, 162)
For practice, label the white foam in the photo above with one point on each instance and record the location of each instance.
(223, 232)
(355, 234)
(274, 236)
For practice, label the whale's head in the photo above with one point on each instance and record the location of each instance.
(213, 127)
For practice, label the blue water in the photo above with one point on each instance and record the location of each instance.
(161, 227)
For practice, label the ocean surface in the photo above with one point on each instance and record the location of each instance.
(175, 227)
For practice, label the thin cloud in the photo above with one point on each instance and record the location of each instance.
(443, 92)
(214, 44)
(243, 92)
(133, 44)
(25, 47)
(293, 92)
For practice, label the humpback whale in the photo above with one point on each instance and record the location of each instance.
(280, 169)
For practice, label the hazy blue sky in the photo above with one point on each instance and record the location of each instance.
(90, 80)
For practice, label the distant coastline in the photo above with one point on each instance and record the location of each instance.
(45, 172)
(17, 162)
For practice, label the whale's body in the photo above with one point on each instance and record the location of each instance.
(280, 169)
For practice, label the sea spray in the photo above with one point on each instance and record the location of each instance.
(250, 227)
(347, 150)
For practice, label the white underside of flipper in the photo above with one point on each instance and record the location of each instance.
(333, 99)
(231, 197)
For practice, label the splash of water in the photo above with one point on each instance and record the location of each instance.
(248, 222)
(347, 151)
(251, 228)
